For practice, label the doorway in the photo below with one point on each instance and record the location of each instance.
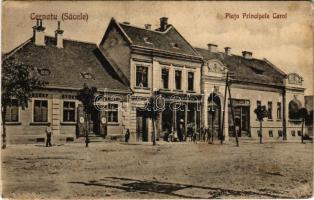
(214, 118)
(141, 126)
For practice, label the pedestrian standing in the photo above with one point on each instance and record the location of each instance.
(127, 135)
(48, 134)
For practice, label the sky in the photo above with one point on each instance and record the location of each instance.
(287, 43)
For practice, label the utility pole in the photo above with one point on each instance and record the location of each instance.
(231, 106)
(223, 112)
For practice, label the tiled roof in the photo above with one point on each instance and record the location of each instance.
(169, 40)
(247, 70)
(70, 64)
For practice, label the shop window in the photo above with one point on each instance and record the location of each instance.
(141, 76)
(40, 111)
(165, 78)
(293, 133)
(178, 79)
(12, 113)
(278, 110)
(270, 110)
(270, 133)
(280, 134)
(190, 81)
(69, 111)
(112, 112)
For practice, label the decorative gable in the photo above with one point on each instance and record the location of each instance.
(294, 78)
(214, 67)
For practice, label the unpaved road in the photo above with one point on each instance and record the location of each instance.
(168, 170)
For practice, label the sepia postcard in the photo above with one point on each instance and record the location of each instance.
(157, 99)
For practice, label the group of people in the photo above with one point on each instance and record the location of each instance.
(203, 134)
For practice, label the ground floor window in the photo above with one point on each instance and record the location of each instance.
(299, 133)
(241, 120)
(293, 133)
(112, 112)
(69, 111)
(270, 133)
(40, 110)
(280, 134)
(12, 112)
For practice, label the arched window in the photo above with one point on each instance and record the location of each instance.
(294, 107)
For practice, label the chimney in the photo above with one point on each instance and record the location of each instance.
(247, 54)
(148, 26)
(127, 23)
(212, 47)
(228, 51)
(163, 23)
(59, 36)
(39, 33)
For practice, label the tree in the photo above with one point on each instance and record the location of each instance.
(155, 105)
(261, 113)
(18, 81)
(302, 113)
(87, 95)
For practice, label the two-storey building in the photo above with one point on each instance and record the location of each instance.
(156, 62)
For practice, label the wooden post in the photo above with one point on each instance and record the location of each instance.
(302, 130)
(261, 131)
(223, 113)
(232, 113)
(185, 120)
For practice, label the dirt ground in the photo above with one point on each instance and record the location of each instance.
(168, 170)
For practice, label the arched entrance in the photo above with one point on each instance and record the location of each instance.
(214, 114)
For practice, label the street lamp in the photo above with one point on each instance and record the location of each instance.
(212, 106)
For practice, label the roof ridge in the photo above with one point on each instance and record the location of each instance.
(72, 40)
(160, 32)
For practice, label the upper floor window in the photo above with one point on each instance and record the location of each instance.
(165, 78)
(69, 111)
(141, 76)
(178, 79)
(12, 112)
(112, 112)
(40, 111)
(270, 110)
(278, 110)
(190, 81)
(294, 107)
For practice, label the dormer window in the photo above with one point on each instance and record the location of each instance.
(44, 71)
(86, 75)
(146, 40)
(175, 45)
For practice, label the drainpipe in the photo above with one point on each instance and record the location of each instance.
(284, 123)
